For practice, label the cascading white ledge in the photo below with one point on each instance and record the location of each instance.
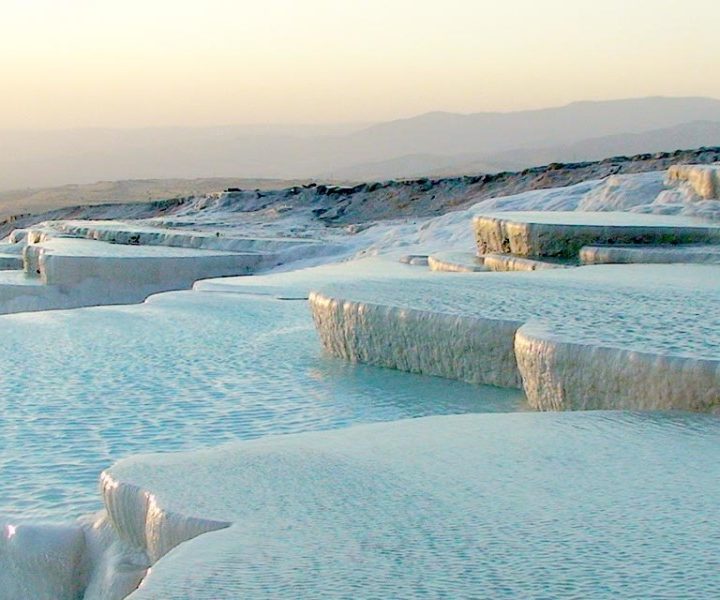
(472, 349)
(559, 374)
(602, 337)
(140, 519)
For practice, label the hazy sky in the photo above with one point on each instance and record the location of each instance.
(68, 63)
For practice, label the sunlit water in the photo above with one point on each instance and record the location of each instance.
(81, 389)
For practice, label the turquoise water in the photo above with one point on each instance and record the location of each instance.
(83, 388)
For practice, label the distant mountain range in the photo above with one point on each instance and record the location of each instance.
(695, 134)
(430, 144)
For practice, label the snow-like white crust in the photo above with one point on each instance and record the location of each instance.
(704, 180)
(563, 234)
(140, 519)
(560, 374)
(392, 508)
(642, 322)
(456, 262)
(593, 337)
(71, 262)
(685, 253)
(508, 262)
(464, 347)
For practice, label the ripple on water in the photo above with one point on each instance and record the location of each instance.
(84, 388)
(548, 505)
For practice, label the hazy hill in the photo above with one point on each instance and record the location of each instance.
(134, 190)
(687, 135)
(424, 144)
(489, 133)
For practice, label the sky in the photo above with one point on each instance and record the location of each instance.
(139, 63)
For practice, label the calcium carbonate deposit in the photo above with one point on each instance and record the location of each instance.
(472, 327)
(340, 316)
(600, 505)
(185, 370)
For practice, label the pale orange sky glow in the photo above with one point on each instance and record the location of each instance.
(80, 63)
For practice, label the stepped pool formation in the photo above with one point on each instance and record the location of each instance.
(596, 505)
(70, 264)
(704, 180)
(184, 370)
(591, 337)
(638, 253)
(305, 409)
(563, 234)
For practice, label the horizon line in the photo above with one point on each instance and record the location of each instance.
(361, 124)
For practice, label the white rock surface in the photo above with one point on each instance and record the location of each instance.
(623, 193)
(407, 508)
(291, 243)
(299, 282)
(456, 262)
(461, 347)
(683, 253)
(115, 568)
(146, 523)
(464, 326)
(445, 506)
(704, 180)
(145, 234)
(72, 262)
(69, 272)
(399, 509)
(416, 260)
(559, 373)
(564, 233)
(509, 262)
(42, 562)
(20, 292)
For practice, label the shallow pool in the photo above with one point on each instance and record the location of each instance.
(83, 388)
(526, 505)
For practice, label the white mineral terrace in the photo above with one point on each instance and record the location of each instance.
(298, 283)
(508, 262)
(70, 261)
(310, 500)
(683, 253)
(608, 336)
(704, 180)
(145, 234)
(565, 233)
(456, 262)
(70, 272)
(182, 370)
(431, 507)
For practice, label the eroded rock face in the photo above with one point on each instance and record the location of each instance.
(508, 262)
(141, 519)
(461, 347)
(684, 253)
(608, 336)
(560, 374)
(563, 234)
(704, 180)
